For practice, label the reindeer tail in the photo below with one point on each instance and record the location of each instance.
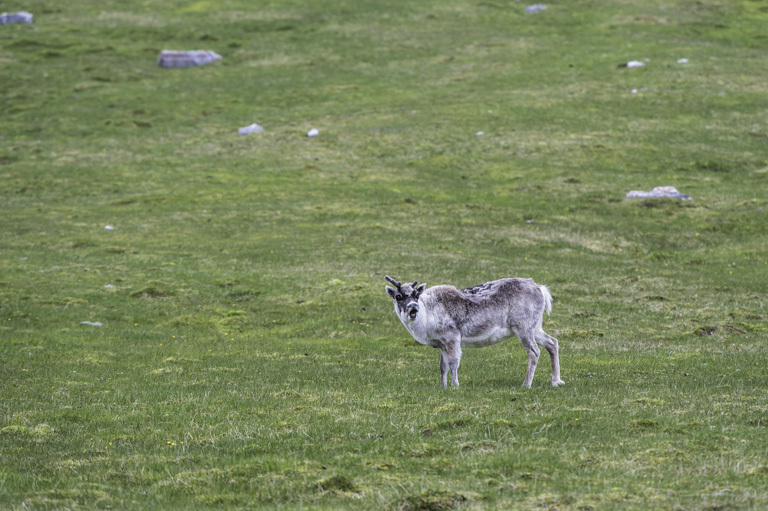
(547, 299)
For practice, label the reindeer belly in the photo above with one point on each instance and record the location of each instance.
(486, 337)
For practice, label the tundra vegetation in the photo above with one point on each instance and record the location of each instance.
(248, 356)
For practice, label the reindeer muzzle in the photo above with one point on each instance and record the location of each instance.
(412, 309)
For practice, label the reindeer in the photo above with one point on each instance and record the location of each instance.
(450, 319)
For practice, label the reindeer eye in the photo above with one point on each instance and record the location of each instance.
(399, 297)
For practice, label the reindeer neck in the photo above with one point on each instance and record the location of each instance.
(418, 327)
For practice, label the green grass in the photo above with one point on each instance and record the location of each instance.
(249, 357)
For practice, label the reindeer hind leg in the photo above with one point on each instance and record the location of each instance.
(551, 345)
(528, 340)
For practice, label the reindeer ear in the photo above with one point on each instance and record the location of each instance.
(421, 288)
(391, 292)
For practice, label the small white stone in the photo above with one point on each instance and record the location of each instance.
(313, 132)
(252, 128)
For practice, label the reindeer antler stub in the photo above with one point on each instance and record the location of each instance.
(392, 281)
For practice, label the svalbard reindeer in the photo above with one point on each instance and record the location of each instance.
(450, 319)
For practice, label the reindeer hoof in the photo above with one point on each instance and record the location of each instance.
(558, 383)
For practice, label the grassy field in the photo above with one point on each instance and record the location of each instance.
(248, 356)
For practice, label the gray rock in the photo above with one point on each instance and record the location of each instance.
(669, 192)
(182, 59)
(15, 17)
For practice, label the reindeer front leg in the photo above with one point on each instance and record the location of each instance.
(453, 355)
(443, 368)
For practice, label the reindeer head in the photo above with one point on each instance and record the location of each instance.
(406, 297)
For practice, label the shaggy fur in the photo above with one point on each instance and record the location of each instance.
(450, 319)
